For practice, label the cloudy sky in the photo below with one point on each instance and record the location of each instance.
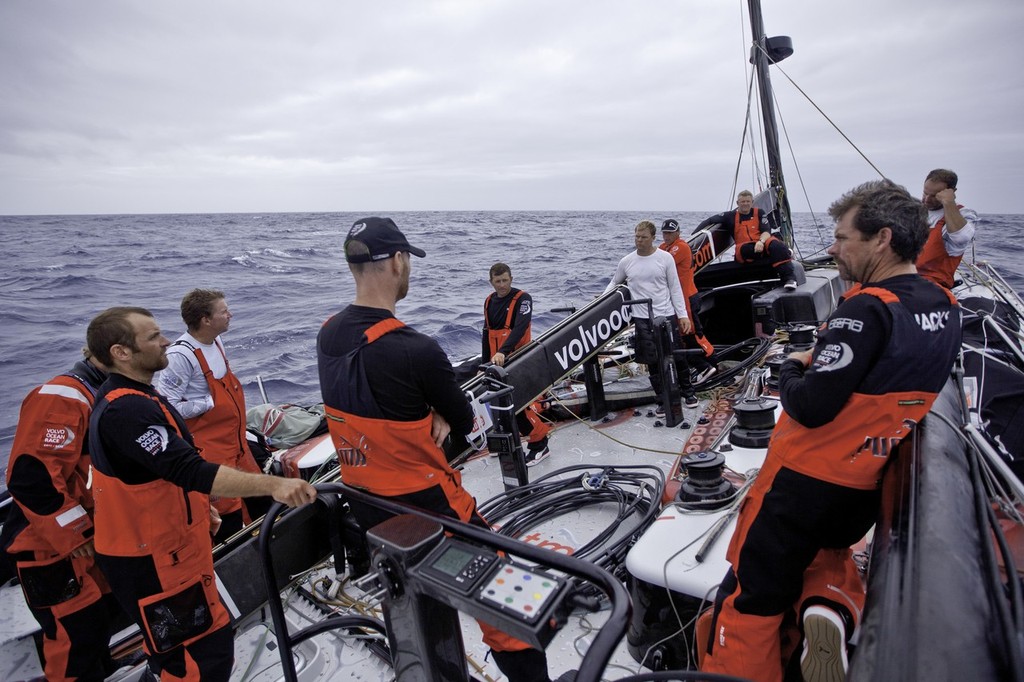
(334, 105)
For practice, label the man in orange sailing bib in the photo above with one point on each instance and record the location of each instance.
(703, 368)
(391, 400)
(48, 534)
(879, 361)
(754, 239)
(508, 317)
(952, 228)
(200, 384)
(153, 516)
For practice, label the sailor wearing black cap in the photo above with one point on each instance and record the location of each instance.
(392, 400)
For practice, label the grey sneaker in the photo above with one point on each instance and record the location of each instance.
(534, 457)
(790, 285)
(824, 656)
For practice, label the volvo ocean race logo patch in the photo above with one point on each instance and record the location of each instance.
(833, 356)
(154, 440)
(57, 437)
(524, 308)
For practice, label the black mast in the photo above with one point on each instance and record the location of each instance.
(765, 51)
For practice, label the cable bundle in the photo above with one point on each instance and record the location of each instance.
(636, 490)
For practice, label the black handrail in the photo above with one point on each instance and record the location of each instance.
(594, 662)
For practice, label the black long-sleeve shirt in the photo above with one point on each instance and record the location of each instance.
(497, 313)
(138, 443)
(407, 371)
(847, 351)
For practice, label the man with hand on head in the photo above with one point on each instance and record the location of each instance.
(153, 516)
(952, 228)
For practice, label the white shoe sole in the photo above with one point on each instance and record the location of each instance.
(824, 656)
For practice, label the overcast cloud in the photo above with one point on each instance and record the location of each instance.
(334, 105)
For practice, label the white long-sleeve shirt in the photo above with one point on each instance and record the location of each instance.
(652, 277)
(956, 243)
(183, 383)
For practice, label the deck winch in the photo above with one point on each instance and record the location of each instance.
(755, 419)
(704, 484)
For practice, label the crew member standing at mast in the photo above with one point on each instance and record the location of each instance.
(199, 383)
(508, 320)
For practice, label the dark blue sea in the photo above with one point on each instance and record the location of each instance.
(283, 277)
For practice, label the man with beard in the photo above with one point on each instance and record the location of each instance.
(879, 362)
(391, 400)
(153, 514)
(952, 228)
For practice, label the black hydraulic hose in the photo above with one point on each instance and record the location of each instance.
(517, 511)
(759, 347)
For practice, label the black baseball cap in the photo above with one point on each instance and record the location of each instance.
(381, 237)
(670, 225)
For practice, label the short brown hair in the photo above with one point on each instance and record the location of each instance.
(745, 193)
(198, 304)
(499, 269)
(112, 328)
(943, 175)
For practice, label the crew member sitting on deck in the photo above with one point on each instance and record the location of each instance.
(952, 228)
(755, 242)
(879, 361)
(508, 317)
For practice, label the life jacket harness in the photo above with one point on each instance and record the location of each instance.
(169, 525)
(52, 431)
(853, 449)
(220, 432)
(386, 457)
(496, 337)
(934, 263)
(748, 230)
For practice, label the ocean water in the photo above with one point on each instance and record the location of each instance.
(283, 276)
